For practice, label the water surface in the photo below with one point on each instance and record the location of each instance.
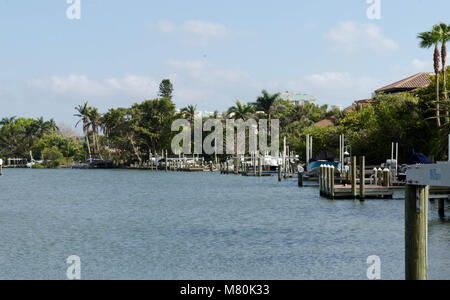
(156, 225)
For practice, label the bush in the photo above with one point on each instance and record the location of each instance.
(53, 157)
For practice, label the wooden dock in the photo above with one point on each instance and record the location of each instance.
(372, 192)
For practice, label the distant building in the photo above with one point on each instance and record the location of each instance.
(297, 99)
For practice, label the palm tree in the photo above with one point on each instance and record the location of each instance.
(241, 111)
(83, 114)
(445, 37)
(189, 113)
(95, 121)
(8, 121)
(427, 40)
(265, 102)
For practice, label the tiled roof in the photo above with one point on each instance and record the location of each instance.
(359, 103)
(324, 123)
(411, 83)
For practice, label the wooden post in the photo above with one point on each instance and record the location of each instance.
(326, 181)
(332, 182)
(362, 183)
(236, 166)
(416, 232)
(386, 177)
(354, 194)
(321, 181)
(300, 179)
(167, 162)
(375, 173)
(259, 167)
(279, 172)
(1, 167)
(441, 207)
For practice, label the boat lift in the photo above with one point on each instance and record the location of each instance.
(419, 178)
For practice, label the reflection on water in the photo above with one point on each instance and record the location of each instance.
(157, 225)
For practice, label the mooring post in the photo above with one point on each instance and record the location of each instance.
(416, 232)
(354, 194)
(259, 166)
(386, 177)
(1, 167)
(441, 207)
(279, 172)
(375, 174)
(300, 179)
(362, 184)
(332, 182)
(236, 166)
(327, 181)
(321, 185)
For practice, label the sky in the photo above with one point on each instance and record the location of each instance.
(215, 52)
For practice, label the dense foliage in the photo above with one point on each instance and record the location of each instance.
(130, 135)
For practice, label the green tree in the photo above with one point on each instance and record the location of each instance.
(265, 102)
(444, 38)
(83, 114)
(428, 40)
(166, 89)
(241, 111)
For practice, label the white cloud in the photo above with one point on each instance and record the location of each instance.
(339, 88)
(416, 65)
(206, 29)
(196, 31)
(165, 26)
(81, 85)
(206, 73)
(353, 37)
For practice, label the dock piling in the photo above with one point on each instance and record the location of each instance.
(354, 194)
(332, 182)
(362, 183)
(416, 232)
(442, 208)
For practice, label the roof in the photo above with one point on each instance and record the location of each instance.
(359, 103)
(324, 123)
(412, 83)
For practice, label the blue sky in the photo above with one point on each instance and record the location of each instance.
(214, 51)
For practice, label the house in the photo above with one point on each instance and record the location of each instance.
(357, 105)
(409, 84)
(297, 99)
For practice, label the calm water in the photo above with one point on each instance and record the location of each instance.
(146, 225)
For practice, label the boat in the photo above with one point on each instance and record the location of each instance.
(95, 163)
(322, 158)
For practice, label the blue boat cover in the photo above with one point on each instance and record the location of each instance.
(418, 158)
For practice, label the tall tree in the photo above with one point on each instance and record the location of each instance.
(427, 40)
(94, 121)
(189, 113)
(166, 89)
(83, 114)
(445, 37)
(265, 102)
